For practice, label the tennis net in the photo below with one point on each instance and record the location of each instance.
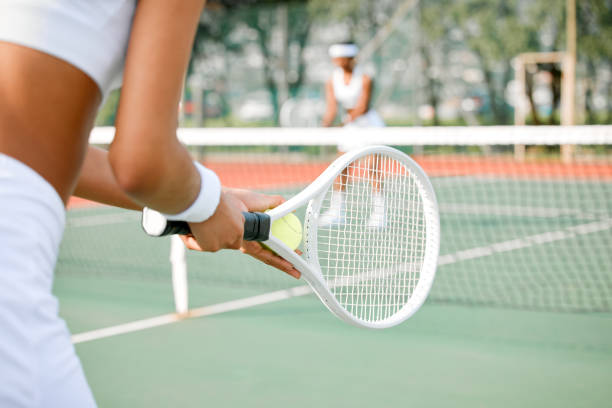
(525, 223)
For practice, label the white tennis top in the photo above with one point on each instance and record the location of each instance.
(92, 35)
(347, 95)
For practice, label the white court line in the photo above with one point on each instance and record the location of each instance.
(519, 243)
(481, 179)
(125, 328)
(199, 312)
(514, 211)
(279, 295)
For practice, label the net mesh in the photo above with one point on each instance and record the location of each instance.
(520, 227)
(371, 237)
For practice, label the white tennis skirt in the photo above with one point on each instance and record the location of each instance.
(369, 119)
(38, 364)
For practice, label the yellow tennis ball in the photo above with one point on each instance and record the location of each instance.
(288, 229)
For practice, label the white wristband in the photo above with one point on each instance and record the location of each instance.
(207, 201)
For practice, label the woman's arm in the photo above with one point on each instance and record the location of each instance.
(363, 103)
(148, 161)
(332, 106)
(97, 182)
(149, 165)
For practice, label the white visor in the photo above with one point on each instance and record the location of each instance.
(343, 51)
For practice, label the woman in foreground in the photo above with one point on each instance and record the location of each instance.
(58, 60)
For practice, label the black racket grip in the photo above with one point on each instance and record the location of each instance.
(176, 227)
(256, 227)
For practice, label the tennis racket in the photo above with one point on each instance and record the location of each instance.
(371, 236)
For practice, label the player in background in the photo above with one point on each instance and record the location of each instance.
(351, 88)
(58, 60)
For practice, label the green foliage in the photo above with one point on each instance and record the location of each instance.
(595, 29)
(545, 22)
(493, 28)
(221, 34)
(363, 17)
(493, 32)
(335, 10)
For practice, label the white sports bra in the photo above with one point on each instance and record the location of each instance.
(347, 95)
(92, 35)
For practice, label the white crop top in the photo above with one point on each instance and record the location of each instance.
(347, 95)
(92, 35)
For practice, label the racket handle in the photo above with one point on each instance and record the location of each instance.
(176, 227)
(256, 227)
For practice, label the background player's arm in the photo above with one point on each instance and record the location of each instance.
(363, 103)
(332, 106)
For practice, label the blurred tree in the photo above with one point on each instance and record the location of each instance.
(281, 30)
(362, 18)
(495, 31)
(492, 31)
(546, 28)
(213, 39)
(433, 36)
(282, 33)
(595, 49)
(594, 30)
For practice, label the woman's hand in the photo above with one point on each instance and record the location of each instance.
(257, 251)
(226, 227)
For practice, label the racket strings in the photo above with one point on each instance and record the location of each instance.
(371, 250)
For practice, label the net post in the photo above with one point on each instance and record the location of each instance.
(178, 260)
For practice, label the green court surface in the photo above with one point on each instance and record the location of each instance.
(295, 353)
(520, 314)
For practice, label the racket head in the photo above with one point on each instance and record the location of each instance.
(368, 272)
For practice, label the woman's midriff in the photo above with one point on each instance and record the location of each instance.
(47, 109)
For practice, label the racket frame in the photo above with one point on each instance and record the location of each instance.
(312, 197)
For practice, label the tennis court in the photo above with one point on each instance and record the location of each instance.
(519, 315)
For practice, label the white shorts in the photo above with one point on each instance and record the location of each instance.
(369, 119)
(38, 364)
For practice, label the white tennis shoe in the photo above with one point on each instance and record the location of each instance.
(336, 214)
